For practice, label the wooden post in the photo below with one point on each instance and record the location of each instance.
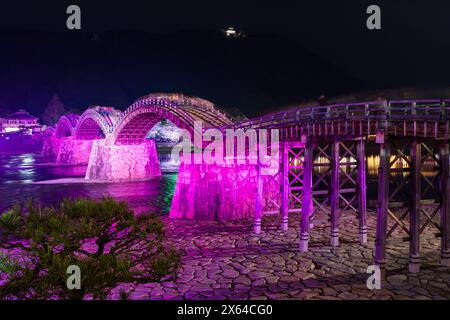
(445, 206)
(383, 205)
(414, 211)
(362, 197)
(334, 193)
(259, 198)
(307, 203)
(284, 181)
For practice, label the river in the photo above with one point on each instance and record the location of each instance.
(31, 176)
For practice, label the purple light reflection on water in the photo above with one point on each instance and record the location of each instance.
(19, 172)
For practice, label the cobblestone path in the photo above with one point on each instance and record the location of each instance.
(228, 261)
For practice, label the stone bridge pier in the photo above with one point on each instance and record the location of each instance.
(67, 150)
(227, 191)
(73, 151)
(51, 146)
(214, 192)
(109, 162)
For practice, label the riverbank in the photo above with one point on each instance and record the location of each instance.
(228, 261)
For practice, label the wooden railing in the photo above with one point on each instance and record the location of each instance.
(402, 110)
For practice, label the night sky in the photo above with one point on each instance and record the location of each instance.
(294, 51)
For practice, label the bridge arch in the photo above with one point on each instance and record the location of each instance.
(134, 124)
(96, 122)
(49, 132)
(66, 125)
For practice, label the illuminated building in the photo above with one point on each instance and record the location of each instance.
(21, 121)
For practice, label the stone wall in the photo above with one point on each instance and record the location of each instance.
(74, 151)
(123, 162)
(220, 192)
(51, 146)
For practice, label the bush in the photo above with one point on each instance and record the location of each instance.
(104, 239)
(7, 265)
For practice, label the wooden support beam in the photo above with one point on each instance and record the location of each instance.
(334, 193)
(362, 189)
(307, 201)
(284, 182)
(414, 211)
(259, 199)
(382, 206)
(445, 206)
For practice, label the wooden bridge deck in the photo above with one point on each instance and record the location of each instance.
(412, 118)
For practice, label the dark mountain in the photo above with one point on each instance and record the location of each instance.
(255, 73)
(4, 111)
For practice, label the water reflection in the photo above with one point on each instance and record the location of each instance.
(323, 164)
(19, 172)
(428, 167)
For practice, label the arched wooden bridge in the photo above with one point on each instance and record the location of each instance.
(415, 132)
(132, 125)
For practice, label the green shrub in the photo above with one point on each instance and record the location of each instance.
(123, 248)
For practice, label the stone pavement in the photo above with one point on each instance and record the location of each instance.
(228, 261)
